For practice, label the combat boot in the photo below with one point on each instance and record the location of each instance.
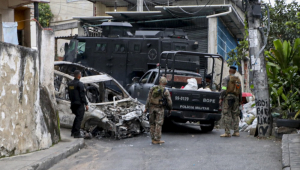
(155, 142)
(161, 142)
(237, 134)
(225, 135)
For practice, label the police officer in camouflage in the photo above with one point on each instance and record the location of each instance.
(155, 105)
(78, 100)
(231, 98)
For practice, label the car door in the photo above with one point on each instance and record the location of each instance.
(139, 87)
(62, 98)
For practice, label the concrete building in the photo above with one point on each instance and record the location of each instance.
(63, 24)
(217, 25)
(21, 12)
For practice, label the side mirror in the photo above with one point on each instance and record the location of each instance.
(135, 79)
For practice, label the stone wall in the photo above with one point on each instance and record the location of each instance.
(28, 120)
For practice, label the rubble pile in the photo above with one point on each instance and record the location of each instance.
(121, 122)
(249, 120)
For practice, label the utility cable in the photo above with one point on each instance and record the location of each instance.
(193, 13)
(160, 3)
(132, 7)
(185, 12)
(146, 6)
(59, 7)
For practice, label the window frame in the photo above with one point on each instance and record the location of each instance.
(150, 73)
(99, 51)
(119, 52)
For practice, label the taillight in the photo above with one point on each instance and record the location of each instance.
(170, 94)
(220, 108)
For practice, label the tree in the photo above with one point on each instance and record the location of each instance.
(45, 14)
(283, 22)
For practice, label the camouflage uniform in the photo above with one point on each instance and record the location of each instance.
(230, 113)
(156, 112)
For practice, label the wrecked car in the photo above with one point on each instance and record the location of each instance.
(112, 110)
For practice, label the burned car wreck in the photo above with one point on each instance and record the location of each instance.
(112, 111)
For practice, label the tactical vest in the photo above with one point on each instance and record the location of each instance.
(234, 86)
(157, 93)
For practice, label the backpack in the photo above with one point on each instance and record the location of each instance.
(234, 86)
(157, 95)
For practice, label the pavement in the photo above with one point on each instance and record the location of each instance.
(291, 152)
(186, 148)
(44, 159)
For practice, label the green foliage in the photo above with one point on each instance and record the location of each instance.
(284, 55)
(283, 75)
(284, 23)
(45, 14)
(241, 51)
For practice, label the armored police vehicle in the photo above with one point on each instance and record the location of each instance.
(125, 55)
(194, 105)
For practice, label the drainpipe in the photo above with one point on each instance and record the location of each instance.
(220, 14)
(36, 10)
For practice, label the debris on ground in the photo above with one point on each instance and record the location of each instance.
(249, 120)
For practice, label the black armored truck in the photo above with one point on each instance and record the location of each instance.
(125, 52)
(197, 105)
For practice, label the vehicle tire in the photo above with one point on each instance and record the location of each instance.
(288, 123)
(207, 128)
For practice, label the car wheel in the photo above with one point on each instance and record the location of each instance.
(207, 128)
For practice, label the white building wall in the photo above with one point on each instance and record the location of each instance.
(61, 42)
(212, 48)
(6, 15)
(28, 119)
(64, 11)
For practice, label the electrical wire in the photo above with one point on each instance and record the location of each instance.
(132, 7)
(160, 3)
(185, 12)
(196, 11)
(146, 6)
(59, 7)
